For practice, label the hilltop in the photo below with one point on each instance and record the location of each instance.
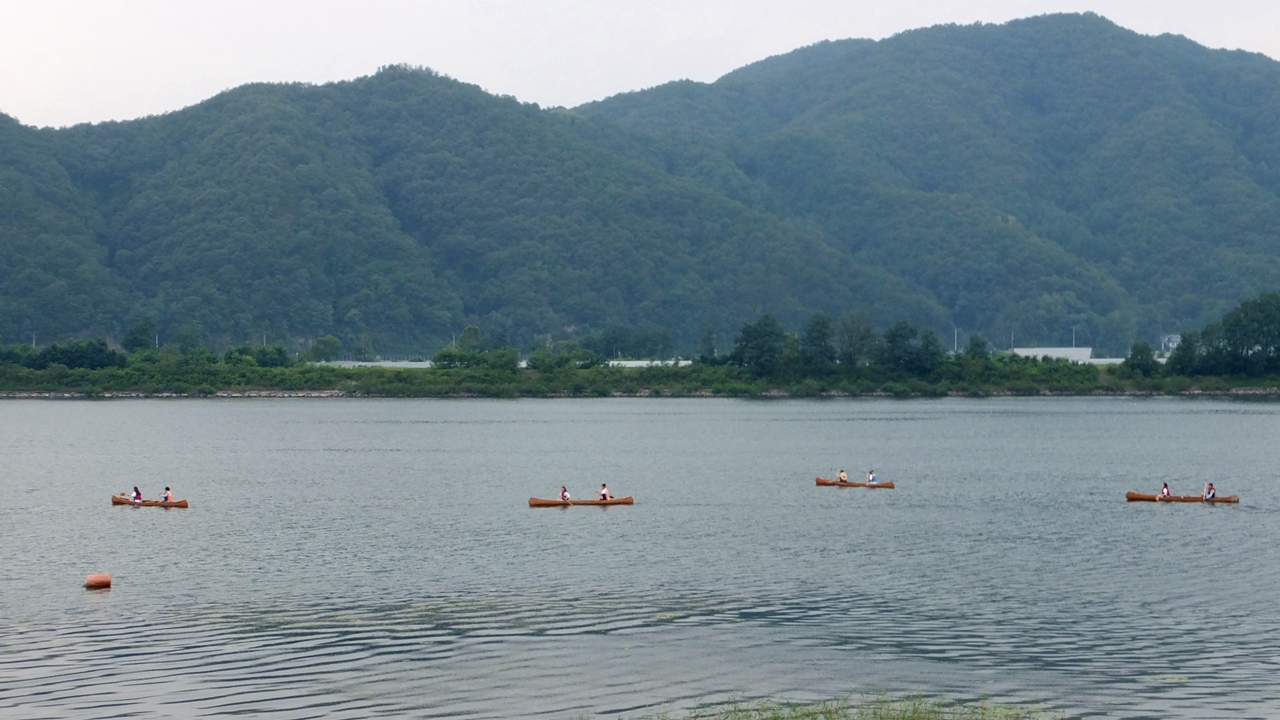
(1030, 178)
(1047, 173)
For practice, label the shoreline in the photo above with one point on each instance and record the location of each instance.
(777, 393)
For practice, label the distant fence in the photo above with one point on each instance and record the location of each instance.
(416, 361)
(380, 363)
(381, 357)
(648, 363)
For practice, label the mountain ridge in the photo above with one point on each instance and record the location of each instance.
(1046, 176)
(1056, 113)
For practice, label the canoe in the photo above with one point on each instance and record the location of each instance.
(837, 483)
(1143, 497)
(539, 502)
(122, 500)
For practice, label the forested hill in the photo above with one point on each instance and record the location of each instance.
(1053, 172)
(396, 209)
(1027, 178)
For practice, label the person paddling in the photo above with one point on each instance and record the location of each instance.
(564, 494)
(843, 477)
(168, 496)
(604, 492)
(871, 477)
(1209, 492)
(137, 494)
(1164, 492)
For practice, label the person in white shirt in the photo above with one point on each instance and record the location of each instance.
(871, 477)
(843, 476)
(604, 492)
(564, 493)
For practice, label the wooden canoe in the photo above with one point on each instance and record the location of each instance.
(122, 500)
(837, 483)
(1143, 497)
(540, 502)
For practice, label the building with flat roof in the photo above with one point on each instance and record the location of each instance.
(1074, 354)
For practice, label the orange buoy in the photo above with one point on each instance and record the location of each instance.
(97, 581)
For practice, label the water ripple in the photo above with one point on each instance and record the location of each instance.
(395, 584)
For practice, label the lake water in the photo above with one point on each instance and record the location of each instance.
(377, 558)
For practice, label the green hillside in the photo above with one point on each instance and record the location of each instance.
(403, 207)
(1029, 177)
(53, 282)
(1017, 180)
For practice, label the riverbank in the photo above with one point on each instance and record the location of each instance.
(1240, 392)
(178, 377)
(128, 394)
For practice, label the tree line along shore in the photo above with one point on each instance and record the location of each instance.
(1240, 355)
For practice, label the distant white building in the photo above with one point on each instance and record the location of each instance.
(648, 363)
(1169, 343)
(1074, 354)
(379, 363)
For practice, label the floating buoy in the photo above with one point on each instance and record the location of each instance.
(97, 581)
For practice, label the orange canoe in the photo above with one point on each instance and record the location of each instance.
(122, 500)
(539, 502)
(1143, 497)
(837, 483)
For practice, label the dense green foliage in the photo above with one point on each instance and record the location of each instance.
(203, 373)
(75, 355)
(1048, 174)
(1018, 180)
(765, 359)
(392, 211)
(1246, 342)
(901, 360)
(1241, 352)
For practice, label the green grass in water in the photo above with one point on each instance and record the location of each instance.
(883, 709)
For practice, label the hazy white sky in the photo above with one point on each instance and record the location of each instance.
(64, 62)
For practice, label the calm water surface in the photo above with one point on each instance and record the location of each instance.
(367, 558)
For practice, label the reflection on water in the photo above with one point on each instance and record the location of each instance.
(378, 558)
